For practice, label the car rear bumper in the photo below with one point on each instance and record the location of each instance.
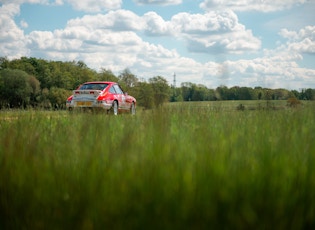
(88, 105)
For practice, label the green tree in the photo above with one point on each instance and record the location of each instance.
(161, 90)
(4, 62)
(222, 93)
(127, 79)
(176, 95)
(144, 95)
(15, 88)
(246, 93)
(107, 75)
(187, 90)
(35, 93)
(58, 97)
(24, 64)
(259, 92)
(44, 99)
(308, 94)
(295, 93)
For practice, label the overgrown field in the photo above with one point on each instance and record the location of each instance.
(172, 168)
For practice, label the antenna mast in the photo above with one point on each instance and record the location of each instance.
(174, 85)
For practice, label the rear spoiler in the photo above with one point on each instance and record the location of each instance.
(95, 92)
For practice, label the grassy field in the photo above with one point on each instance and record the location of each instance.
(183, 166)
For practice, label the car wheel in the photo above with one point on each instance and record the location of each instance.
(133, 109)
(115, 108)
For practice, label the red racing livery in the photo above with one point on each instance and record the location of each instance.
(101, 95)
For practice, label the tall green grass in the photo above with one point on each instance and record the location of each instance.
(172, 168)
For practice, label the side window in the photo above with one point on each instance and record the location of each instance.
(118, 89)
(112, 90)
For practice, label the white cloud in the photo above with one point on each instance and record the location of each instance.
(23, 24)
(95, 5)
(120, 20)
(215, 32)
(158, 2)
(9, 10)
(267, 71)
(250, 5)
(44, 2)
(302, 41)
(11, 36)
(155, 25)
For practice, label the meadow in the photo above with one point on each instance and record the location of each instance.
(182, 166)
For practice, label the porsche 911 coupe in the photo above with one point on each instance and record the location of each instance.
(101, 95)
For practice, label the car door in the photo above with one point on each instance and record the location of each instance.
(121, 96)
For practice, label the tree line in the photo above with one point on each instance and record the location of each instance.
(32, 82)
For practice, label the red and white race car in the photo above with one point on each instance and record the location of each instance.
(101, 95)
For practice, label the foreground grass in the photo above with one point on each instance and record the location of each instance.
(171, 168)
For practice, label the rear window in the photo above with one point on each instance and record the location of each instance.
(93, 86)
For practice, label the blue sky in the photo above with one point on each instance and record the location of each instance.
(268, 43)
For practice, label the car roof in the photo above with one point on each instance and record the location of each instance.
(100, 82)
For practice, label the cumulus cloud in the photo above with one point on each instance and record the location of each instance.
(215, 32)
(120, 20)
(11, 36)
(101, 41)
(44, 2)
(95, 5)
(302, 41)
(80, 5)
(158, 2)
(23, 24)
(278, 71)
(278, 68)
(250, 5)
(156, 26)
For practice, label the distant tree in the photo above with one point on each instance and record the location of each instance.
(58, 97)
(199, 92)
(308, 94)
(15, 88)
(259, 92)
(176, 95)
(35, 93)
(144, 95)
(222, 92)
(295, 93)
(161, 90)
(187, 90)
(44, 99)
(4, 63)
(82, 65)
(233, 93)
(107, 75)
(246, 93)
(280, 94)
(24, 63)
(127, 79)
(211, 95)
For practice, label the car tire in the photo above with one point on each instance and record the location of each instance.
(133, 109)
(115, 108)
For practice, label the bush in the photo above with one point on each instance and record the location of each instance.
(293, 102)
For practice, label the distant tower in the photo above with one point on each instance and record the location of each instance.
(174, 85)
